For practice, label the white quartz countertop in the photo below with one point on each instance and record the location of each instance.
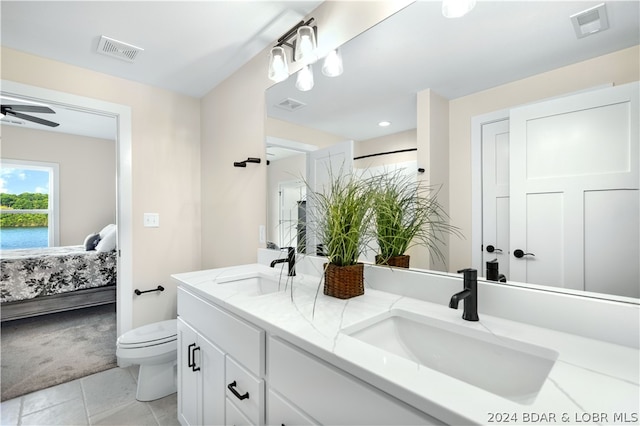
(591, 382)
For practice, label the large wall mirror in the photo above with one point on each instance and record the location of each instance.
(417, 49)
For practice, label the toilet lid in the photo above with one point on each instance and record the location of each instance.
(157, 332)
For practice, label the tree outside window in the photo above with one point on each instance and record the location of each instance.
(27, 202)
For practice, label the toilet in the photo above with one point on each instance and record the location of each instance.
(155, 348)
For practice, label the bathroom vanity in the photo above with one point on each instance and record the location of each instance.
(258, 347)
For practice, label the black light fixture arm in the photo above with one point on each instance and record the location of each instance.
(292, 32)
(248, 160)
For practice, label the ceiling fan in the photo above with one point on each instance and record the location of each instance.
(16, 110)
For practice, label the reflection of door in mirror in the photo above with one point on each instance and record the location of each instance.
(286, 171)
(291, 195)
(564, 187)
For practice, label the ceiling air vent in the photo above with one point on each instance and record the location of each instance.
(118, 49)
(290, 104)
(590, 21)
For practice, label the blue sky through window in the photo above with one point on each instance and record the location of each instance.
(19, 180)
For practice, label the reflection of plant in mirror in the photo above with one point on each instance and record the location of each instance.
(407, 214)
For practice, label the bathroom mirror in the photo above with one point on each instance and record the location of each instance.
(418, 49)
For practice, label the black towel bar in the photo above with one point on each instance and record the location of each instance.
(138, 292)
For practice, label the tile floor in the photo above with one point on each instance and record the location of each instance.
(106, 398)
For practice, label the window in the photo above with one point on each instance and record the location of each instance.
(29, 204)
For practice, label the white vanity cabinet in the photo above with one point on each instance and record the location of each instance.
(221, 364)
(316, 390)
(231, 373)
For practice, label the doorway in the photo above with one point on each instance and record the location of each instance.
(122, 115)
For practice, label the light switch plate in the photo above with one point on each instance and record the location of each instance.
(151, 220)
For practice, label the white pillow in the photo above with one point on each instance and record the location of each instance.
(108, 242)
(106, 230)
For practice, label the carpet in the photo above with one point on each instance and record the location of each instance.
(56, 348)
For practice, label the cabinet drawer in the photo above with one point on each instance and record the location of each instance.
(332, 396)
(252, 406)
(281, 412)
(235, 416)
(243, 341)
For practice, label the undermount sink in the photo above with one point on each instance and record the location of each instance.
(509, 368)
(262, 283)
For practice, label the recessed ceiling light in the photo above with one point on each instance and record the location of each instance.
(384, 123)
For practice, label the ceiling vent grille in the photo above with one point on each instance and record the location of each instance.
(118, 49)
(290, 104)
(590, 21)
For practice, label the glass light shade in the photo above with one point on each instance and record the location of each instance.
(457, 8)
(304, 82)
(332, 66)
(306, 45)
(278, 67)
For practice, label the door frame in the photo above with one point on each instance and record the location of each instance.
(122, 115)
(476, 181)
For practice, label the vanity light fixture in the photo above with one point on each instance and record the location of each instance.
(301, 39)
(457, 8)
(332, 66)
(304, 81)
(306, 48)
(384, 123)
(278, 66)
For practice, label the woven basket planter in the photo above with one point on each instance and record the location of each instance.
(343, 282)
(401, 261)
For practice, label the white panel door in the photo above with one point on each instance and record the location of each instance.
(321, 165)
(495, 194)
(574, 190)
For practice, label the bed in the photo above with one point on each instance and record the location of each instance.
(54, 279)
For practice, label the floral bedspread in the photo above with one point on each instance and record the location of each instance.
(29, 273)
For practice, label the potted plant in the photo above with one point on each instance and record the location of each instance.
(407, 214)
(343, 219)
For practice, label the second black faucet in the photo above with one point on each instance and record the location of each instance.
(469, 294)
(290, 259)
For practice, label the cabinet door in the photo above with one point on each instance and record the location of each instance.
(212, 382)
(235, 416)
(201, 391)
(188, 398)
(282, 412)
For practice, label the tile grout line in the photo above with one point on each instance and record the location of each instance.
(84, 402)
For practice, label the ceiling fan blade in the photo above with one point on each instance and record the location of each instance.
(31, 118)
(29, 108)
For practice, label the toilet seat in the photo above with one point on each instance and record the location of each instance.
(150, 335)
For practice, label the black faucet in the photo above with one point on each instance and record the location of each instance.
(290, 259)
(469, 294)
(493, 273)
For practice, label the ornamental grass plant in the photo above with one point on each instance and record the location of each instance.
(407, 214)
(344, 218)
